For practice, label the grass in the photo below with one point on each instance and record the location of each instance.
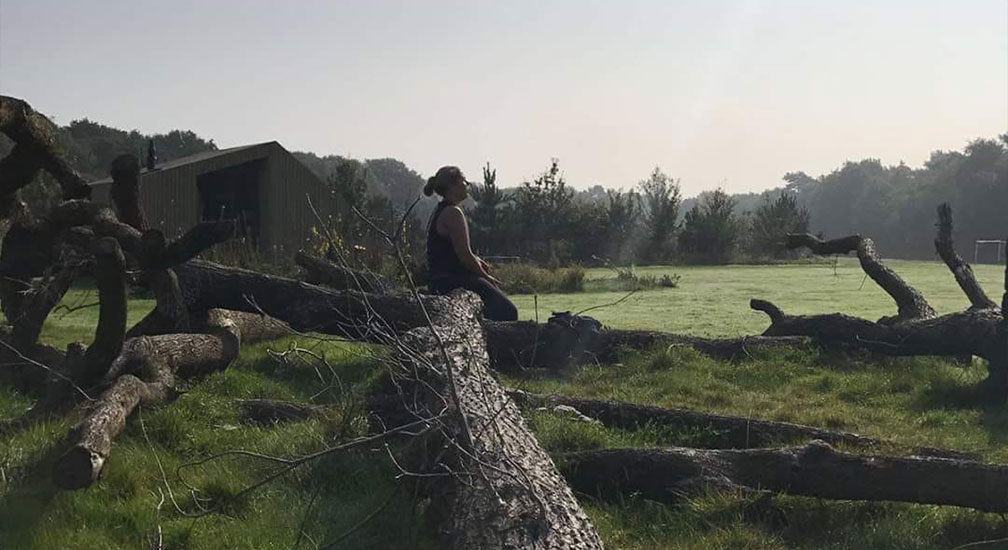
(714, 300)
(326, 498)
(911, 402)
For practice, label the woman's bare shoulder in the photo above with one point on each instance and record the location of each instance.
(453, 212)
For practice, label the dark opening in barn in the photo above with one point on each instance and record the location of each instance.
(232, 193)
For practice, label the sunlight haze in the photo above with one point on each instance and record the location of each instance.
(716, 93)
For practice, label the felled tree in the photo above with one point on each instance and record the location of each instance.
(916, 329)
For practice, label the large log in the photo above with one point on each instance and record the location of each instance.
(967, 332)
(961, 270)
(731, 431)
(144, 373)
(505, 491)
(910, 302)
(325, 273)
(815, 470)
(567, 340)
(916, 330)
(37, 135)
(305, 307)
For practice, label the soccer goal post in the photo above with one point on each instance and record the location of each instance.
(998, 244)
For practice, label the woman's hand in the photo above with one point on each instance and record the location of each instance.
(483, 264)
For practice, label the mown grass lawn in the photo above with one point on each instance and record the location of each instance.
(910, 402)
(714, 300)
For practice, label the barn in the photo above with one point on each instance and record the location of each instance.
(263, 187)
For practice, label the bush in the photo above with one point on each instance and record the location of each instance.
(527, 278)
(627, 278)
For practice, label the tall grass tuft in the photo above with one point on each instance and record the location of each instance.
(525, 278)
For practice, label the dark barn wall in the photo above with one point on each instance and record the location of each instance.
(287, 217)
(171, 199)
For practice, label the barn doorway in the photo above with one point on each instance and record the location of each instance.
(233, 194)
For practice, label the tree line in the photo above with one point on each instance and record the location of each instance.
(546, 220)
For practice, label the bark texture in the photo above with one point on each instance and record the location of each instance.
(961, 270)
(506, 491)
(916, 330)
(144, 373)
(325, 273)
(36, 136)
(815, 470)
(305, 307)
(910, 302)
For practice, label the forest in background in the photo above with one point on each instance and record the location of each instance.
(547, 220)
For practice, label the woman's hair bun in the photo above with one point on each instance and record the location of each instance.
(428, 189)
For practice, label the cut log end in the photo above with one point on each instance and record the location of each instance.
(77, 468)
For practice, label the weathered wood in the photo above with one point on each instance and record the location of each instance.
(505, 491)
(305, 307)
(815, 470)
(325, 273)
(731, 431)
(566, 340)
(961, 270)
(18, 169)
(144, 373)
(125, 191)
(968, 332)
(910, 302)
(916, 330)
(110, 278)
(38, 135)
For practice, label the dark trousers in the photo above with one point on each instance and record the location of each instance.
(496, 305)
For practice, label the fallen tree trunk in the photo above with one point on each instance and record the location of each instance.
(916, 329)
(325, 273)
(733, 431)
(564, 341)
(305, 307)
(144, 373)
(567, 341)
(504, 490)
(37, 137)
(814, 470)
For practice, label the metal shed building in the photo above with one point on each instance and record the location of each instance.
(262, 187)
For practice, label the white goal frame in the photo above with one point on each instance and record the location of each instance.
(998, 243)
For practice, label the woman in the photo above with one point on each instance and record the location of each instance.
(450, 260)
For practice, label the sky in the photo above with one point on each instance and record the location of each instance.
(717, 93)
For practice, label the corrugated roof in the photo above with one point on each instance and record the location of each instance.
(198, 157)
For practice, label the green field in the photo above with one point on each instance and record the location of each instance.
(909, 402)
(714, 300)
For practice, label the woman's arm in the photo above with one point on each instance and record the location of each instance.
(453, 223)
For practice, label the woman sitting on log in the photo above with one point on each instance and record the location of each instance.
(450, 260)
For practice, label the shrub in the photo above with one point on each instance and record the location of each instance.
(627, 278)
(525, 278)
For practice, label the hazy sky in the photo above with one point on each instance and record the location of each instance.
(732, 93)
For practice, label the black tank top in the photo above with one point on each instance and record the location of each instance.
(442, 261)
